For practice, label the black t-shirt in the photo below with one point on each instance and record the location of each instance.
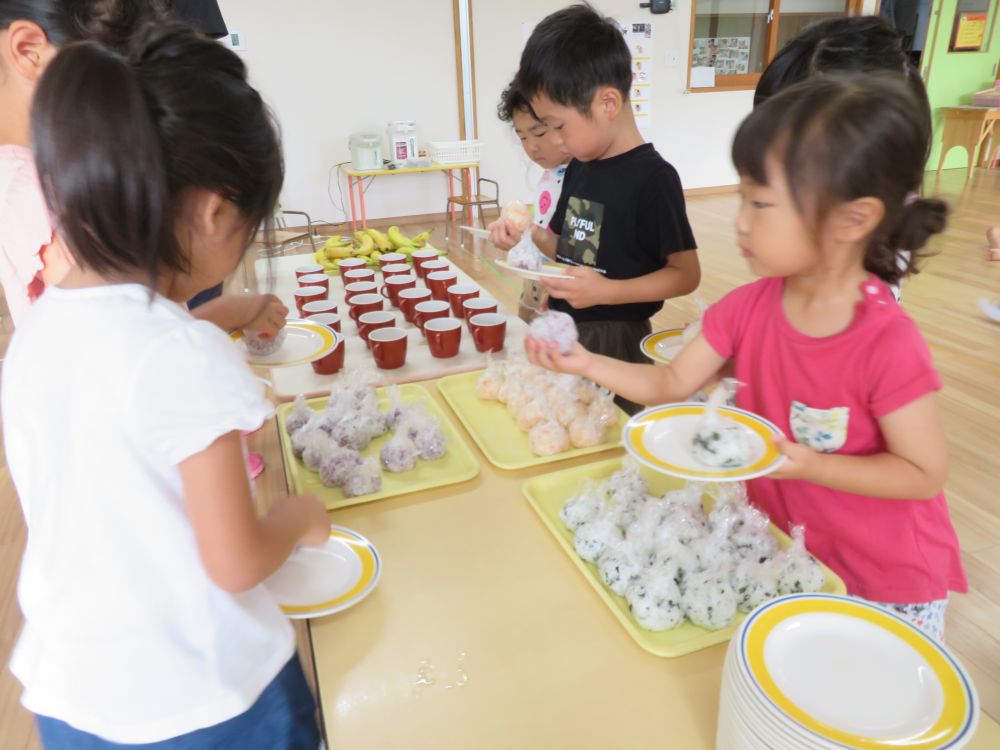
(621, 216)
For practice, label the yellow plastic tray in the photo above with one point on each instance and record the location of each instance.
(457, 465)
(496, 433)
(548, 492)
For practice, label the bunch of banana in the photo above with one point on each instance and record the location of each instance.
(330, 266)
(382, 242)
(337, 247)
(366, 245)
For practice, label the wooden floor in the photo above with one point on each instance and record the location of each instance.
(966, 348)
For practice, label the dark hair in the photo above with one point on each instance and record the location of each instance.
(839, 138)
(850, 44)
(109, 22)
(571, 54)
(511, 101)
(117, 140)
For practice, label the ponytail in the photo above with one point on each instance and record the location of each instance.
(101, 164)
(109, 22)
(918, 221)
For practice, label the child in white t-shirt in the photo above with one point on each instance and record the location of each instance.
(514, 108)
(145, 617)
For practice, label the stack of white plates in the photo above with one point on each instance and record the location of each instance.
(816, 671)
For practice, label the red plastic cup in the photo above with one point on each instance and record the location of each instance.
(443, 336)
(308, 294)
(350, 264)
(359, 304)
(388, 347)
(458, 293)
(395, 284)
(315, 279)
(429, 310)
(488, 331)
(322, 306)
(396, 269)
(358, 274)
(478, 305)
(360, 287)
(308, 270)
(420, 257)
(333, 361)
(389, 259)
(439, 281)
(329, 320)
(372, 321)
(409, 299)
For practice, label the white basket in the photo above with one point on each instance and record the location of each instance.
(455, 152)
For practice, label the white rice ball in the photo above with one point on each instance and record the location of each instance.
(709, 600)
(721, 446)
(619, 568)
(594, 537)
(583, 507)
(655, 600)
(548, 438)
(754, 583)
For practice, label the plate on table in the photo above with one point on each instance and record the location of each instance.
(318, 581)
(663, 346)
(549, 270)
(548, 492)
(304, 342)
(660, 437)
(457, 465)
(877, 682)
(495, 430)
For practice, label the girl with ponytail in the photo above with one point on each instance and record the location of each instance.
(146, 621)
(826, 169)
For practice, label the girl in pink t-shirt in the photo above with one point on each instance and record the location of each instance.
(824, 350)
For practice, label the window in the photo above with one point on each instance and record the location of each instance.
(732, 41)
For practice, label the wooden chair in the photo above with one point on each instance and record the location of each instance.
(480, 200)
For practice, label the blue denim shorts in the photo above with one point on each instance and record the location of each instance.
(282, 718)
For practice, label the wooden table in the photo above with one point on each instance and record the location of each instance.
(968, 127)
(354, 177)
(474, 585)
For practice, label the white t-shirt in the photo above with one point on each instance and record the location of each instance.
(547, 194)
(125, 635)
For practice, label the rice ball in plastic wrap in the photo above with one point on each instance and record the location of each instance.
(682, 526)
(628, 480)
(624, 507)
(352, 433)
(337, 465)
(583, 507)
(488, 384)
(431, 442)
(619, 568)
(548, 438)
(257, 344)
(604, 407)
(519, 396)
(722, 446)
(709, 600)
(714, 550)
(398, 454)
(800, 571)
(755, 582)
(586, 431)
(556, 327)
(518, 214)
(525, 254)
(679, 558)
(655, 600)
(593, 538)
(299, 415)
(340, 402)
(563, 408)
(533, 412)
(317, 444)
(584, 391)
(299, 439)
(364, 479)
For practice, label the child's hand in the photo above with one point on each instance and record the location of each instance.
(586, 288)
(546, 354)
(504, 235)
(317, 522)
(800, 460)
(270, 315)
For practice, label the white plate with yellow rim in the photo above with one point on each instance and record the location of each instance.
(549, 270)
(304, 342)
(318, 581)
(835, 672)
(663, 346)
(660, 437)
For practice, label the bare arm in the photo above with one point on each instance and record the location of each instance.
(681, 275)
(262, 313)
(914, 465)
(545, 241)
(237, 548)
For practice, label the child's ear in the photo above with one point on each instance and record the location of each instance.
(608, 102)
(210, 213)
(28, 49)
(854, 221)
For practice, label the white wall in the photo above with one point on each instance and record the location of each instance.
(329, 69)
(693, 131)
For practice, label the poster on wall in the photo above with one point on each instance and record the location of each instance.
(639, 38)
(728, 55)
(970, 32)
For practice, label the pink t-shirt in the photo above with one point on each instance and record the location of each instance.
(829, 393)
(25, 229)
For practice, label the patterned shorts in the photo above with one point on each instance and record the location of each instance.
(928, 616)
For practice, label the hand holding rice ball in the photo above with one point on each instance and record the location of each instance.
(518, 214)
(556, 327)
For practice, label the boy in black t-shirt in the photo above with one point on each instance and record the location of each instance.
(620, 220)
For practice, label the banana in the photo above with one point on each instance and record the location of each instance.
(376, 255)
(419, 240)
(381, 241)
(337, 251)
(320, 257)
(337, 240)
(365, 244)
(397, 238)
(406, 249)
